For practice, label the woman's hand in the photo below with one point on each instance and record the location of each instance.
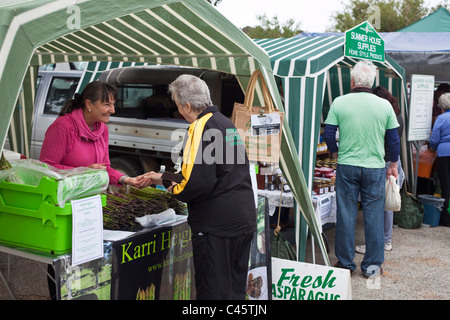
(98, 166)
(137, 182)
(170, 188)
(153, 177)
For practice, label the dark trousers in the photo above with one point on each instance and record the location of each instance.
(221, 266)
(444, 179)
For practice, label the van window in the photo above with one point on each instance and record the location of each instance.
(143, 101)
(61, 90)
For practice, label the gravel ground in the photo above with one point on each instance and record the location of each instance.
(416, 268)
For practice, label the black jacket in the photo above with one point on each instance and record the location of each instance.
(216, 180)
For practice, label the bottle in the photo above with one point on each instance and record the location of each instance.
(161, 170)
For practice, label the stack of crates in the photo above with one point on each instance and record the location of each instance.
(30, 217)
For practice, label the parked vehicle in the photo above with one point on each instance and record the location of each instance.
(146, 131)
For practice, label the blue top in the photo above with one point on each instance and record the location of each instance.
(440, 136)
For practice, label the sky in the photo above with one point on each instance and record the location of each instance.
(313, 15)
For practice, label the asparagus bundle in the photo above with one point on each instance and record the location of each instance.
(162, 196)
(121, 210)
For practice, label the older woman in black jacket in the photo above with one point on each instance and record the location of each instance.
(216, 186)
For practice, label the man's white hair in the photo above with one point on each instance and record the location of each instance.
(364, 73)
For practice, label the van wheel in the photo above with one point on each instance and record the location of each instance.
(129, 166)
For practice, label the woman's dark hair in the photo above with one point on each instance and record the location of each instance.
(385, 94)
(94, 91)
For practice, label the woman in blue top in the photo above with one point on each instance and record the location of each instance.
(440, 141)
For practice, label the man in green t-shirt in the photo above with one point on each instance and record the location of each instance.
(363, 120)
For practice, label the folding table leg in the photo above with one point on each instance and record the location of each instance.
(7, 285)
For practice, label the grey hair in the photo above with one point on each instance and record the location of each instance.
(188, 88)
(444, 101)
(364, 73)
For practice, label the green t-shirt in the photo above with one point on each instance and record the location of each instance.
(363, 119)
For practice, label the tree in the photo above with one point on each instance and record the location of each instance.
(272, 28)
(392, 15)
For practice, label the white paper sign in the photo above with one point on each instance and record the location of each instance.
(292, 280)
(421, 107)
(87, 229)
(267, 124)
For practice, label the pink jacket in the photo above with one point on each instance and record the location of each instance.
(70, 143)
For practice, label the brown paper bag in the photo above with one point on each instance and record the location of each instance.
(262, 132)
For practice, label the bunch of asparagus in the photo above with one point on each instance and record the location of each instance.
(121, 210)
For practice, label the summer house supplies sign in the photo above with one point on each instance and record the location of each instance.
(292, 280)
(363, 42)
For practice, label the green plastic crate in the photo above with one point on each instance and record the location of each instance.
(31, 218)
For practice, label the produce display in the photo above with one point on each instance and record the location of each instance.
(324, 176)
(65, 185)
(121, 210)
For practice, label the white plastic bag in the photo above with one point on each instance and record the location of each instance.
(157, 219)
(393, 200)
(71, 183)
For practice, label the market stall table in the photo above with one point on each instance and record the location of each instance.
(324, 207)
(154, 263)
(324, 204)
(273, 196)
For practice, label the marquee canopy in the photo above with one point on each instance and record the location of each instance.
(189, 33)
(313, 70)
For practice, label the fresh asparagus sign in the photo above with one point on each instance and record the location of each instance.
(363, 42)
(293, 280)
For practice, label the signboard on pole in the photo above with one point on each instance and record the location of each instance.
(364, 42)
(421, 107)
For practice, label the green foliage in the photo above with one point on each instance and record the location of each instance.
(393, 15)
(272, 28)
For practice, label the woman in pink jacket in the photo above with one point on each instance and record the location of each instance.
(79, 136)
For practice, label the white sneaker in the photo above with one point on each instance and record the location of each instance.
(361, 249)
(387, 246)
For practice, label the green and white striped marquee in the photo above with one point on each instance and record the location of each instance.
(188, 33)
(312, 71)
